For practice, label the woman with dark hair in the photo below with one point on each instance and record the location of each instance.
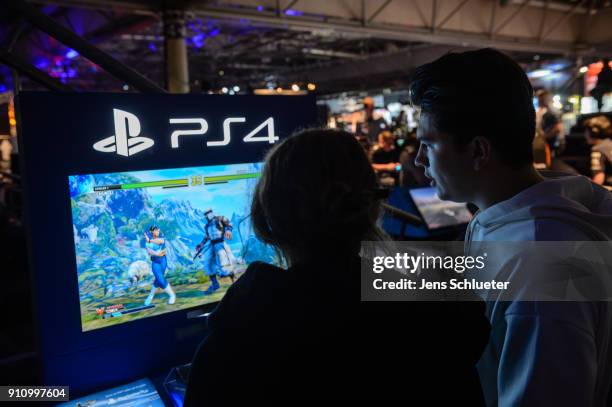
(302, 335)
(316, 187)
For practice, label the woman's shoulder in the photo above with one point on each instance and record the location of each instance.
(254, 289)
(257, 274)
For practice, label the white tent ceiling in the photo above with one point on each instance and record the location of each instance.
(340, 44)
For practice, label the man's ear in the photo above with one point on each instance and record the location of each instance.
(481, 152)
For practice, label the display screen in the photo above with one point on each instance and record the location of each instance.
(141, 393)
(437, 213)
(152, 242)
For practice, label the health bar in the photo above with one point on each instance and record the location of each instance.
(149, 184)
(225, 178)
(167, 184)
(176, 183)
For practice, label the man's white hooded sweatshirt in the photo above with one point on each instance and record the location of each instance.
(544, 353)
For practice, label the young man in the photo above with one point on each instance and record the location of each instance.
(539, 353)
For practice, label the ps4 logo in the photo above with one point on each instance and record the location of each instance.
(127, 140)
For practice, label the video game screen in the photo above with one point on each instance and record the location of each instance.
(152, 242)
(438, 213)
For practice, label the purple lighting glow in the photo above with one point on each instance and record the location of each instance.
(41, 63)
(292, 12)
(198, 40)
(71, 54)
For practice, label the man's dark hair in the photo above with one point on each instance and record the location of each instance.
(479, 93)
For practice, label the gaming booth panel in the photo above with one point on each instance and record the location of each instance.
(137, 208)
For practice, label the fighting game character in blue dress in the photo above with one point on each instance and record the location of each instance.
(156, 248)
(218, 257)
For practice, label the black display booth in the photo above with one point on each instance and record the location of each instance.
(63, 136)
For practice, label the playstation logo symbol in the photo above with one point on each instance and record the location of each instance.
(125, 141)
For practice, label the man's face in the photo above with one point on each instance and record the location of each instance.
(449, 168)
(209, 215)
(155, 232)
(387, 143)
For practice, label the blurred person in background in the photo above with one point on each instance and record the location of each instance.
(371, 126)
(548, 122)
(598, 133)
(385, 159)
(604, 84)
(542, 159)
(401, 122)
